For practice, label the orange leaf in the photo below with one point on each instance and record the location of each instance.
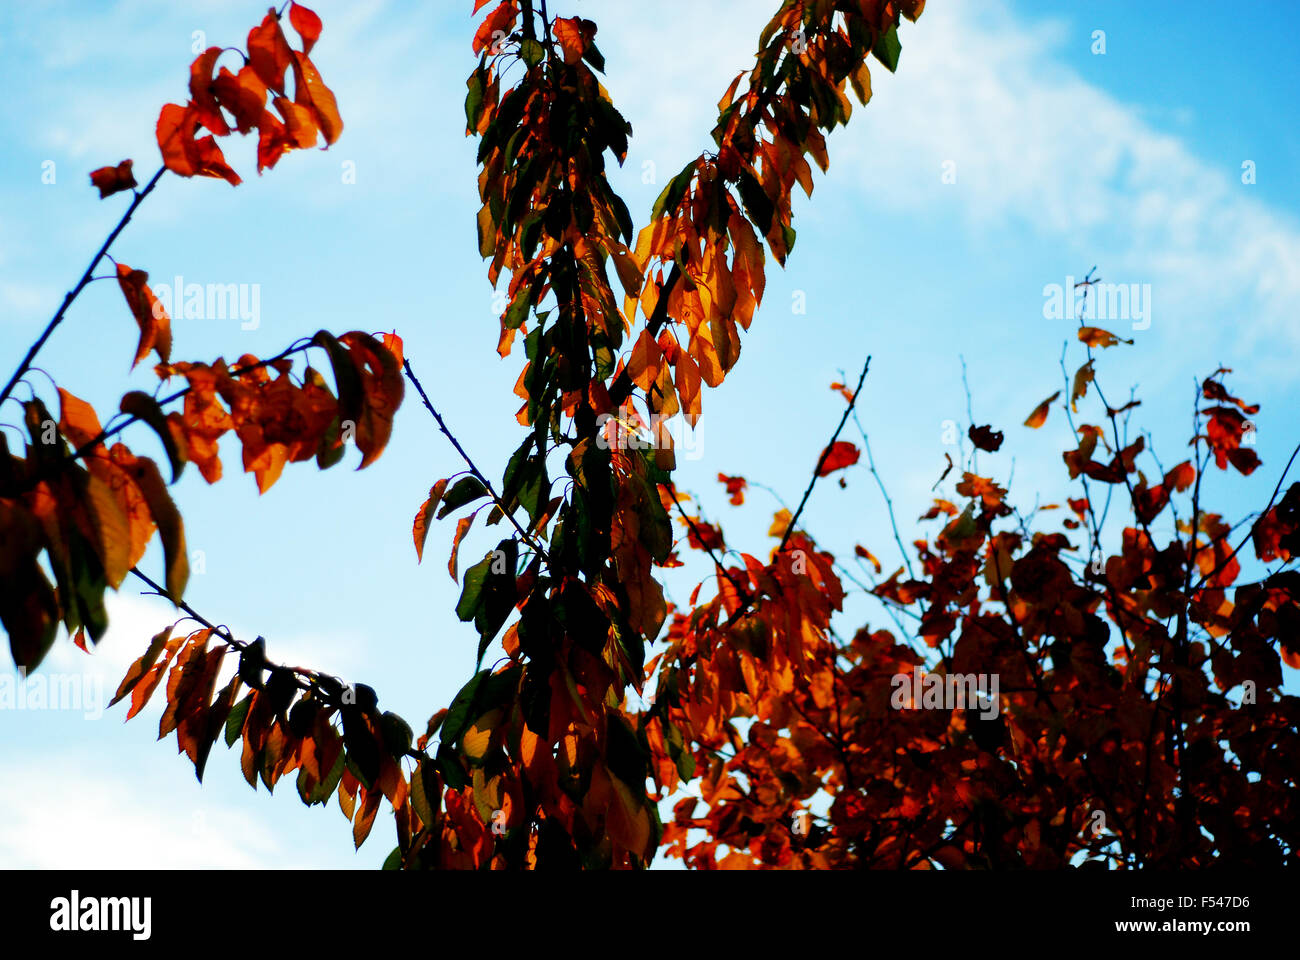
(688, 386)
(643, 366)
(1097, 337)
(205, 106)
(269, 53)
(184, 155)
(867, 555)
(307, 23)
(155, 325)
(462, 527)
(424, 515)
(1039, 416)
(176, 126)
(243, 94)
(780, 523)
(495, 26)
(299, 123)
(310, 91)
(574, 36)
(272, 141)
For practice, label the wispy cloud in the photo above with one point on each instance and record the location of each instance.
(1031, 143)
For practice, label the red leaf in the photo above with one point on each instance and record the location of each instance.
(574, 36)
(111, 180)
(838, 455)
(307, 24)
(269, 53)
(206, 108)
(495, 26)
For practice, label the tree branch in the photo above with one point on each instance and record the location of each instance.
(72, 294)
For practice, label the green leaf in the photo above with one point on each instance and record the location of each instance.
(420, 799)
(458, 715)
(531, 52)
(394, 861)
(594, 57)
(474, 99)
(329, 451)
(517, 312)
(673, 193)
(463, 491)
(471, 595)
(498, 594)
(88, 586)
(888, 48)
(449, 765)
(144, 407)
(397, 734)
(235, 722)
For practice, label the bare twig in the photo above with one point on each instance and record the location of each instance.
(72, 294)
(478, 474)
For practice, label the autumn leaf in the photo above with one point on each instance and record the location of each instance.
(837, 456)
(152, 319)
(495, 26)
(243, 94)
(204, 105)
(867, 555)
(310, 92)
(462, 527)
(269, 53)
(306, 23)
(735, 488)
(424, 515)
(1082, 377)
(111, 180)
(140, 667)
(183, 154)
(780, 523)
(574, 35)
(1039, 416)
(985, 438)
(1097, 337)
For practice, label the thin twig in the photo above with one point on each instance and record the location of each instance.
(478, 474)
(889, 503)
(81, 285)
(789, 530)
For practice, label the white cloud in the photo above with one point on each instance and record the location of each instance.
(91, 817)
(1035, 144)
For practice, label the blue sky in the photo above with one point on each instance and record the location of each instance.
(1063, 158)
